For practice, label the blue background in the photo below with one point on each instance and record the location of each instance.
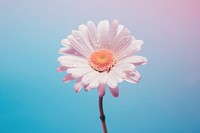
(33, 98)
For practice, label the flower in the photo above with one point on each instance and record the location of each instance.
(100, 56)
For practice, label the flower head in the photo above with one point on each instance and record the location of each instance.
(100, 56)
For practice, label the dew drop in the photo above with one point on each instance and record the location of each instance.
(138, 59)
(124, 74)
(78, 38)
(131, 66)
(124, 55)
(74, 65)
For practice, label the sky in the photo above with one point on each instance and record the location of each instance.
(33, 98)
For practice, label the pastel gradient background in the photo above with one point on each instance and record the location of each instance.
(33, 98)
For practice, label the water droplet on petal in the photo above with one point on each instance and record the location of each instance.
(131, 66)
(138, 59)
(124, 55)
(78, 38)
(124, 74)
(74, 65)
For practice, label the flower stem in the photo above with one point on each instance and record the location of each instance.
(102, 116)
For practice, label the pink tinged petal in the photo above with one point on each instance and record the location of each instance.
(61, 68)
(123, 39)
(136, 60)
(85, 44)
(130, 50)
(78, 72)
(113, 31)
(120, 28)
(137, 45)
(72, 58)
(87, 87)
(103, 30)
(78, 46)
(92, 30)
(125, 66)
(123, 44)
(111, 81)
(87, 78)
(65, 43)
(114, 91)
(132, 77)
(69, 50)
(73, 61)
(102, 89)
(116, 74)
(78, 85)
(68, 78)
(83, 29)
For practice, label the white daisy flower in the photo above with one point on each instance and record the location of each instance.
(100, 56)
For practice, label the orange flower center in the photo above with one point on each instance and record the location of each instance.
(102, 60)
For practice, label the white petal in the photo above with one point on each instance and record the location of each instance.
(65, 42)
(136, 60)
(137, 45)
(102, 89)
(123, 39)
(73, 61)
(94, 83)
(79, 72)
(125, 66)
(83, 29)
(89, 77)
(132, 77)
(114, 91)
(113, 32)
(92, 31)
(130, 50)
(68, 50)
(116, 74)
(82, 40)
(111, 81)
(103, 77)
(78, 46)
(120, 28)
(103, 30)
(78, 85)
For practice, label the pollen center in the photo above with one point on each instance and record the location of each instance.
(102, 60)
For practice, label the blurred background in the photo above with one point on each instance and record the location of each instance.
(33, 98)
